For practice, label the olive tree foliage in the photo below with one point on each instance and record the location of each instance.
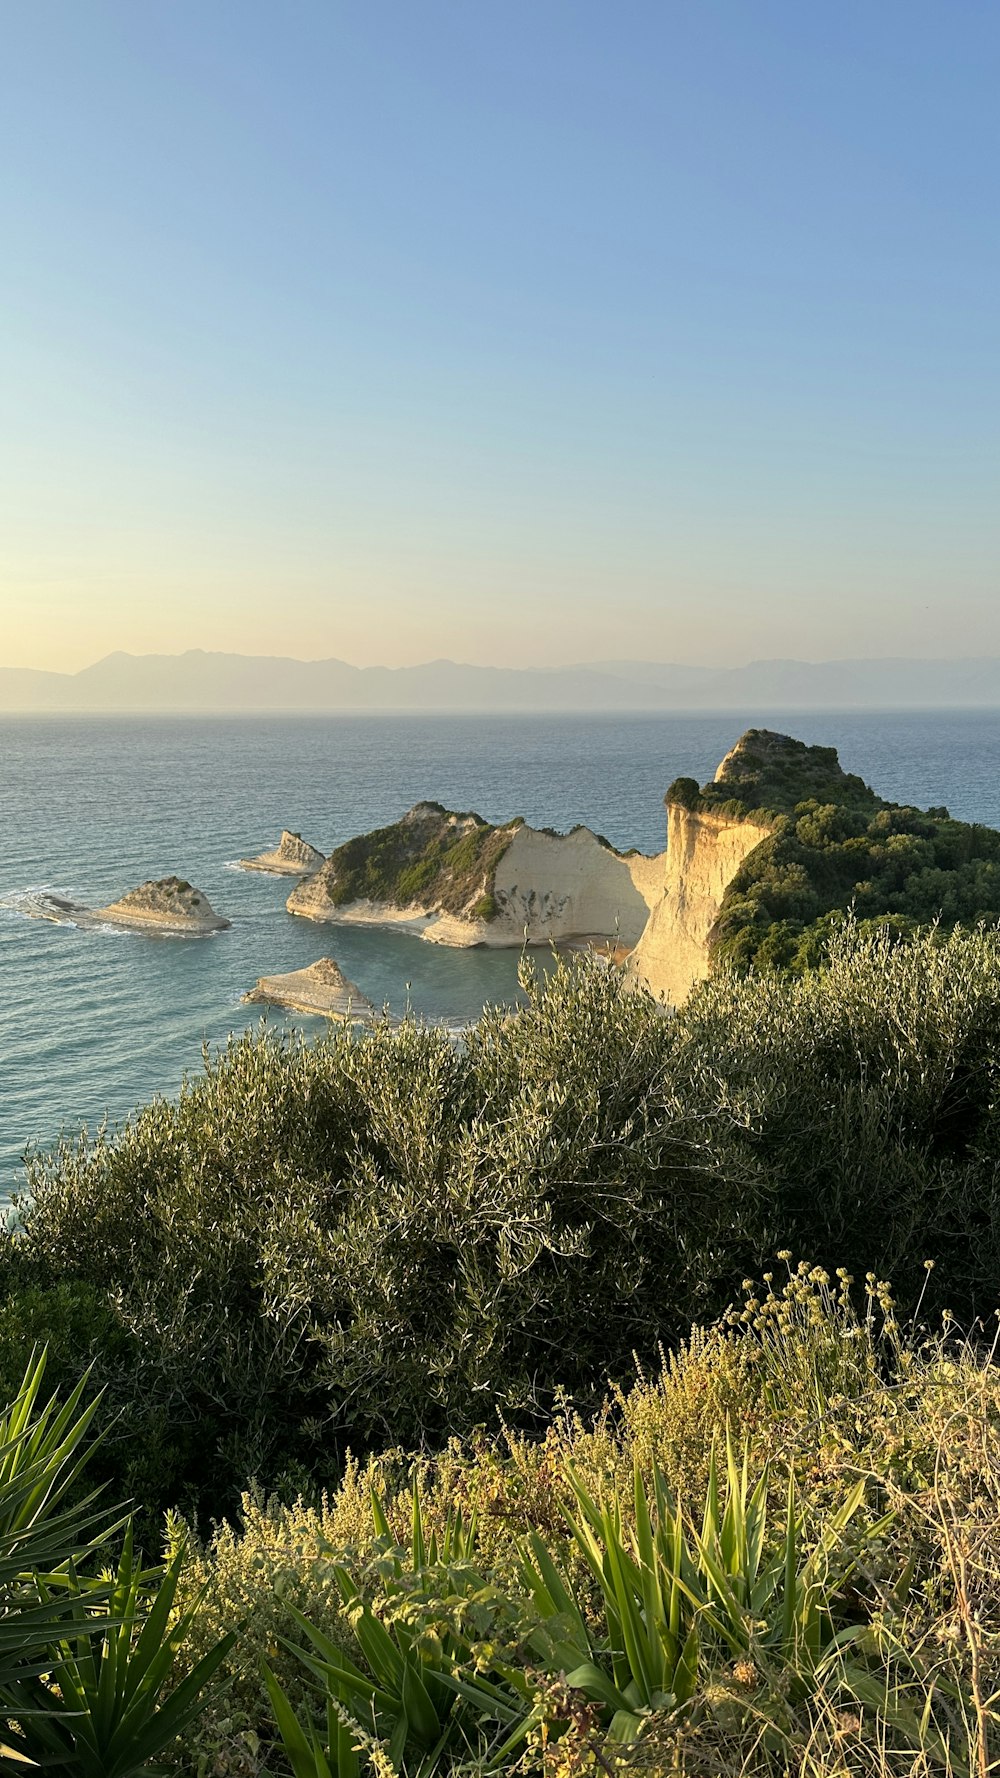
(861, 1102)
(395, 1238)
(375, 1238)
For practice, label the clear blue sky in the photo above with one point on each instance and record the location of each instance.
(528, 332)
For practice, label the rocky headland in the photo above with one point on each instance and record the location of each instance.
(761, 865)
(455, 879)
(766, 861)
(321, 989)
(170, 906)
(712, 832)
(291, 857)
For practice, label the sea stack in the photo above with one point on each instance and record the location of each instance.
(169, 905)
(322, 989)
(291, 857)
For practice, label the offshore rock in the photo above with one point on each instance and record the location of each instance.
(292, 857)
(322, 989)
(169, 905)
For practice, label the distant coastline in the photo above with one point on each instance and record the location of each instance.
(200, 683)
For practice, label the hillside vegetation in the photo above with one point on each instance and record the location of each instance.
(391, 1240)
(835, 845)
(398, 1336)
(776, 1554)
(432, 858)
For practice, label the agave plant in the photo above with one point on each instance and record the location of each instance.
(105, 1707)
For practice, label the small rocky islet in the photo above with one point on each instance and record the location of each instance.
(322, 990)
(291, 857)
(170, 906)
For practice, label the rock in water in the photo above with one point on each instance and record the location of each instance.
(171, 904)
(292, 857)
(321, 989)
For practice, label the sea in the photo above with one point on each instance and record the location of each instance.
(95, 1022)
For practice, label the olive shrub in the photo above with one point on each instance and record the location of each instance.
(392, 1239)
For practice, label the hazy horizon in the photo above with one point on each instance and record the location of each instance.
(511, 336)
(569, 664)
(202, 682)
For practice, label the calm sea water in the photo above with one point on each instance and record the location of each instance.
(92, 1023)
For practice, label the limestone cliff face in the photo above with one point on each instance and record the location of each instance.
(711, 831)
(704, 851)
(455, 880)
(559, 886)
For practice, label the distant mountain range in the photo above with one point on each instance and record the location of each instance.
(200, 682)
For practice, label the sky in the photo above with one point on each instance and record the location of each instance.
(531, 333)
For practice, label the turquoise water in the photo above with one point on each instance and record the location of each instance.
(92, 1022)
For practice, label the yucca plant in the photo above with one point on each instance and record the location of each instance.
(646, 1582)
(772, 1601)
(416, 1698)
(306, 1750)
(418, 1693)
(457, 1542)
(43, 1448)
(673, 1595)
(104, 1708)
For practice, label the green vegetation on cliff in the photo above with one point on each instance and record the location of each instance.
(432, 858)
(834, 845)
(767, 775)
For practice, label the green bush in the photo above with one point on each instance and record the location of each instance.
(685, 793)
(373, 1240)
(387, 1239)
(897, 865)
(858, 1107)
